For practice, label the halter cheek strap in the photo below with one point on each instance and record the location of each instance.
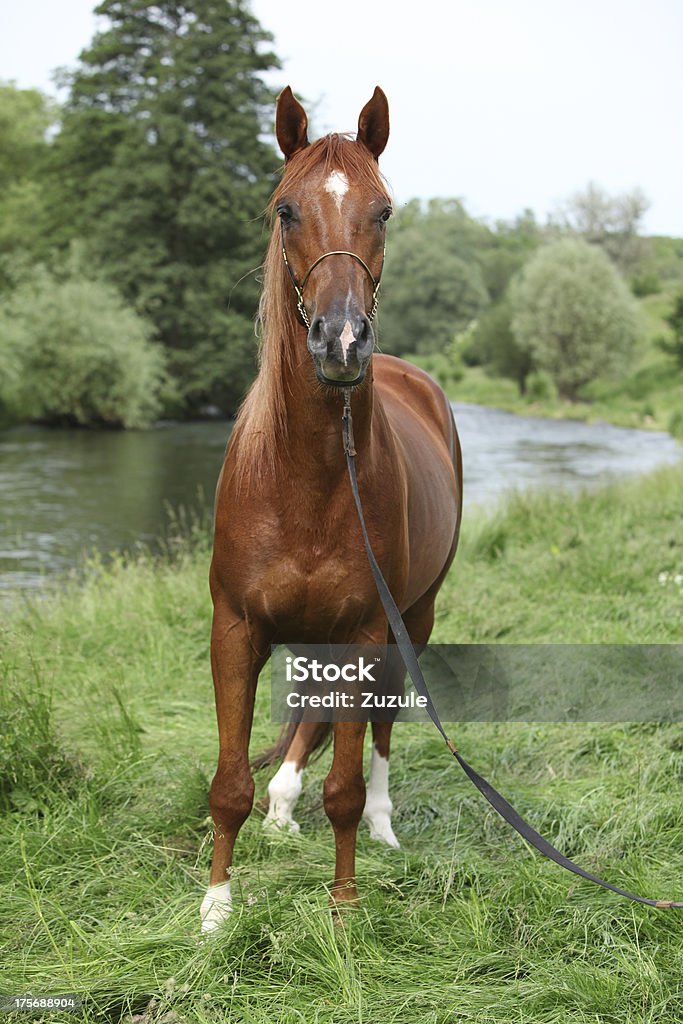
(299, 288)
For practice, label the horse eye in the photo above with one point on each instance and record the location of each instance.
(385, 214)
(284, 212)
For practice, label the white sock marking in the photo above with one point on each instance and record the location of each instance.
(216, 906)
(378, 806)
(346, 338)
(283, 792)
(337, 185)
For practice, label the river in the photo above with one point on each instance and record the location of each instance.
(66, 492)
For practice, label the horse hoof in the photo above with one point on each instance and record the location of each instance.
(273, 824)
(216, 908)
(343, 898)
(381, 830)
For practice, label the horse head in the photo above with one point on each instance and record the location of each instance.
(333, 205)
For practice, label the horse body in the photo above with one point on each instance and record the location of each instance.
(289, 553)
(288, 563)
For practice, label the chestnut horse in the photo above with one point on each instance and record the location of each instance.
(288, 560)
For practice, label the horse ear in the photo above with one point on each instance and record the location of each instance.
(291, 124)
(373, 123)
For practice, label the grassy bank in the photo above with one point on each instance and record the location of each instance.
(109, 749)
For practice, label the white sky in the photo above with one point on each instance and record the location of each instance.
(504, 104)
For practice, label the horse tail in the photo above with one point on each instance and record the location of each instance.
(318, 742)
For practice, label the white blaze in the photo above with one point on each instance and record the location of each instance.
(284, 790)
(337, 185)
(346, 338)
(378, 806)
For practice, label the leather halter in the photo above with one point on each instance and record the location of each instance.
(299, 288)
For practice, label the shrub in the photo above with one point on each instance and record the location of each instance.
(540, 387)
(574, 313)
(76, 353)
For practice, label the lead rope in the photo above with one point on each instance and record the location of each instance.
(407, 652)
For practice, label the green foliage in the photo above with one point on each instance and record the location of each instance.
(432, 285)
(444, 369)
(25, 118)
(75, 353)
(504, 251)
(574, 314)
(674, 346)
(495, 346)
(646, 284)
(161, 168)
(540, 387)
(676, 425)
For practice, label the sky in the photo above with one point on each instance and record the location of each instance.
(506, 104)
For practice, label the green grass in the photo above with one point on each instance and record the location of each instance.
(109, 747)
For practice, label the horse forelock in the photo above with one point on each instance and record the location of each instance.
(335, 152)
(261, 426)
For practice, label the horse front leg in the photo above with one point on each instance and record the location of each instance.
(344, 799)
(238, 652)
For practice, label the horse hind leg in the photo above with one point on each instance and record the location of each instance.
(284, 788)
(378, 804)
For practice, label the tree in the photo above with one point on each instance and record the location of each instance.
(574, 314)
(432, 286)
(26, 116)
(674, 346)
(505, 250)
(611, 222)
(495, 345)
(161, 168)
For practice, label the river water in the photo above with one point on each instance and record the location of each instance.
(65, 493)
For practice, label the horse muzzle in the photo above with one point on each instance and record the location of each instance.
(341, 346)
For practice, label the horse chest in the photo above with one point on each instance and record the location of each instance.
(319, 596)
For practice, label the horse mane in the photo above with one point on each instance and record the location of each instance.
(260, 430)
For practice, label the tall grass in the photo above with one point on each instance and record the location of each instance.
(108, 749)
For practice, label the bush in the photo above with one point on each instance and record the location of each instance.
(676, 425)
(574, 313)
(441, 366)
(646, 284)
(75, 353)
(540, 387)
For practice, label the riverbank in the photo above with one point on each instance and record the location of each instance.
(106, 765)
(650, 399)
(649, 395)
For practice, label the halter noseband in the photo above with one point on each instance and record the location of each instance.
(299, 288)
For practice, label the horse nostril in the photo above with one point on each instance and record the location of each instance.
(364, 337)
(317, 343)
